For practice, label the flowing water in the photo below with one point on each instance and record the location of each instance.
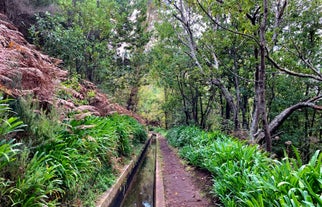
(141, 191)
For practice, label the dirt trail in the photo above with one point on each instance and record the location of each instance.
(182, 187)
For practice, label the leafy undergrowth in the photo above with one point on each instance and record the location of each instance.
(67, 163)
(244, 175)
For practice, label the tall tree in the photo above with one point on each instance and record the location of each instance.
(231, 41)
(79, 35)
(188, 22)
(130, 40)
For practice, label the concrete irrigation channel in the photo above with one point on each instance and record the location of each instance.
(140, 184)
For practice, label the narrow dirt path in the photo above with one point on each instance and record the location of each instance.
(181, 186)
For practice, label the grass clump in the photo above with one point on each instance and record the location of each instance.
(244, 175)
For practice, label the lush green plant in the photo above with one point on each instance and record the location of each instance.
(8, 154)
(9, 149)
(297, 184)
(95, 135)
(8, 123)
(115, 134)
(60, 162)
(136, 130)
(87, 149)
(244, 175)
(39, 185)
(43, 125)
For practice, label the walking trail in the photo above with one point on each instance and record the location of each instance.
(183, 185)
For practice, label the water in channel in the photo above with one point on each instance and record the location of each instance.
(141, 191)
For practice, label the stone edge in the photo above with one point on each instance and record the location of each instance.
(159, 187)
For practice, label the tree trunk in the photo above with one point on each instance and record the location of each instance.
(255, 114)
(184, 103)
(229, 99)
(194, 104)
(305, 145)
(166, 114)
(201, 113)
(244, 112)
(262, 78)
(222, 109)
(236, 82)
(132, 101)
(227, 111)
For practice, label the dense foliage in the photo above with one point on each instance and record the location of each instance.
(244, 175)
(56, 163)
(102, 41)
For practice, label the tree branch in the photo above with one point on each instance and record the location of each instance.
(301, 75)
(280, 118)
(225, 28)
(301, 56)
(278, 18)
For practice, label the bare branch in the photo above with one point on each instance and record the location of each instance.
(253, 18)
(301, 56)
(301, 75)
(278, 18)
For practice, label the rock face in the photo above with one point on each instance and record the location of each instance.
(26, 71)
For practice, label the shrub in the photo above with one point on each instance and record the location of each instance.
(131, 126)
(188, 136)
(42, 125)
(87, 149)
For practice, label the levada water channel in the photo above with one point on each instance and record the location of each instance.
(141, 189)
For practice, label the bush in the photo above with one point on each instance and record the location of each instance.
(8, 154)
(42, 125)
(131, 126)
